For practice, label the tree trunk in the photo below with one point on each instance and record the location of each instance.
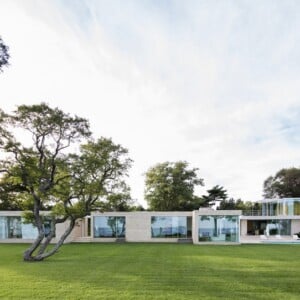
(28, 254)
(50, 236)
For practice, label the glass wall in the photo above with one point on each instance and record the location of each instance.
(269, 227)
(12, 227)
(171, 227)
(109, 227)
(218, 229)
(297, 207)
(284, 207)
(278, 227)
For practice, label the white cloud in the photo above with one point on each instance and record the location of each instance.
(207, 82)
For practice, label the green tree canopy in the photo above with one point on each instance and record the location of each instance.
(8, 199)
(169, 186)
(285, 183)
(4, 55)
(40, 170)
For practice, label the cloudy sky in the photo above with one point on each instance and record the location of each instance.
(215, 83)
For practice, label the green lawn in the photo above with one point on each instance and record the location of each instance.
(153, 271)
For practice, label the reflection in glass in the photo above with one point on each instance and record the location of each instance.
(297, 208)
(218, 229)
(170, 227)
(277, 227)
(29, 231)
(11, 227)
(110, 227)
(281, 207)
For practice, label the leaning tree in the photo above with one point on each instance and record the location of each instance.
(44, 170)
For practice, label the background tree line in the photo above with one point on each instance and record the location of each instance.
(171, 186)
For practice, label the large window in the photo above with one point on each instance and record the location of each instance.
(171, 227)
(269, 227)
(218, 229)
(109, 227)
(12, 228)
(285, 207)
(297, 208)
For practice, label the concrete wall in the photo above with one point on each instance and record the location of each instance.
(295, 226)
(138, 227)
(243, 227)
(75, 233)
(10, 213)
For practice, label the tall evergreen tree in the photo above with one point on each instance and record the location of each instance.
(216, 193)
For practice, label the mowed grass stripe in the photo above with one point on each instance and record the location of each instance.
(153, 271)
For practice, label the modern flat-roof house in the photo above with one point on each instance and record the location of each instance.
(204, 225)
(278, 219)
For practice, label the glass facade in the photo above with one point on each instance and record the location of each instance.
(13, 227)
(269, 227)
(171, 227)
(218, 229)
(109, 227)
(281, 207)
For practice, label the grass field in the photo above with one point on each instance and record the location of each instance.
(153, 271)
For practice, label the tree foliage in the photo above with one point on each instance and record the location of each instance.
(44, 173)
(8, 199)
(285, 183)
(4, 55)
(216, 193)
(232, 204)
(169, 186)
